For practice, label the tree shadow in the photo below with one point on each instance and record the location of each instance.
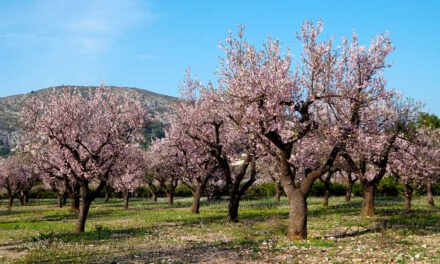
(348, 208)
(200, 252)
(100, 233)
(415, 221)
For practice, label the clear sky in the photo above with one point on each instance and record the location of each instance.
(148, 44)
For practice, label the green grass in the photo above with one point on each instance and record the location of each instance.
(155, 232)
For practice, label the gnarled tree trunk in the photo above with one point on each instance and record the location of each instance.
(297, 227)
(326, 180)
(84, 207)
(22, 199)
(350, 183)
(197, 195)
(234, 203)
(368, 201)
(407, 195)
(278, 190)
(75, 196)
(126, 198)
(153, 191)
(429, 195)
(170, 196)
(10, 202)
(237, 190)
(60, 200)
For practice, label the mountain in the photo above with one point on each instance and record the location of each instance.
(10, 134)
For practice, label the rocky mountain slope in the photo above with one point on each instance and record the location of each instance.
(10, 107)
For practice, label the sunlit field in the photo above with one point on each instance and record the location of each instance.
(154, 232)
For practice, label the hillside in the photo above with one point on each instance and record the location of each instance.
(10, 107)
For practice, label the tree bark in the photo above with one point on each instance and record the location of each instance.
(278, 190)
(326, 194)
(170, 195)
(107, 197)
(368, 200)
(234, 203)
(349, 191)
(11, 202)
(407, 195)
(297, 228)
(154, 197)
(64, 198)
(197, 194)
(75, 206)
(22, 201)
(75, 196)
(126, 198)
(60, 200)
(83, 209)
(350, 183)
(429, 195)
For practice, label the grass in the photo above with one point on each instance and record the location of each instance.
(154, 232)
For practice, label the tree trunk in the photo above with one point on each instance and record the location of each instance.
(126, 198)
(326, 193)
(278, 190)
(234, 203)
(297, 228)
(11, 202)
(75, 206)
(197, 194)
(153, 191)
(170, 195)
(429, 195)
(60, 200)
(83, 209)
(368, 201)
(21, 198)
(75, 196)
(64, 198)
(349, 191)
(407, 195)
(107, 197)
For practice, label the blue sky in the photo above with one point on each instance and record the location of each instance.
(148, 44)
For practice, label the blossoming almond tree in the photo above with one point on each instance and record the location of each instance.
(85, 135)
(323, 97)
(127, 172)
(429, 142)
(16, 177)
(202, 119)
(199, 167)
(165, 164)
(369, 149)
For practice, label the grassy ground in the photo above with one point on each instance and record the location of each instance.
(153, 232)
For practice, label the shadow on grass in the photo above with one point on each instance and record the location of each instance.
(198, 252)
(99, 233)
(348, 208)
(416, 221)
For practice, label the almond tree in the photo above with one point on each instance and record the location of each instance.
(165, 164)
(47, 168)
(405, 165)
(369, 149)
(268, 171)
(201, 118)
(199, 167)
(16, 176)
(323, 97)
(429, 142)
(84, 135)
(127, 173)
(429, 127)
